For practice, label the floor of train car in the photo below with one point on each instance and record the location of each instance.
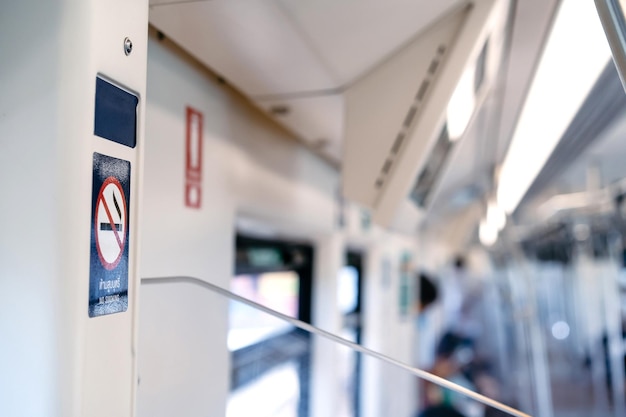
(571, 388)
(574, 393)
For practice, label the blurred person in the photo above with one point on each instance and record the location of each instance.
(455, 356)
(440, 411)
(427, 324)
(436, 402)
(460, 293)
(453, 360)
(428, 292)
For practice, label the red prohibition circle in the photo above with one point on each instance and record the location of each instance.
(110, 265)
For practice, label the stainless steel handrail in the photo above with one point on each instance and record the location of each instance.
(319, 332)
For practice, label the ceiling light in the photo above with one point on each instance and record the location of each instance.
(573, 58)
(461, 105)
(487, 233)
(560, 330)
(496, 217)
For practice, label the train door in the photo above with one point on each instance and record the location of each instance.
(350, 284)
(270, 360)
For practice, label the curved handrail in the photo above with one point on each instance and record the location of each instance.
(420, 373)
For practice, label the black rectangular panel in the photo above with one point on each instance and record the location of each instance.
(115, 114)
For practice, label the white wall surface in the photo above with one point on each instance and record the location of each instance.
(252, 169)
(28, 267)
(182, 357)
(254, 173)
(387, 331)
(54, 359)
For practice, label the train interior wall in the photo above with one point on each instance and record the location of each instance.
(256, 179)
(553, 305)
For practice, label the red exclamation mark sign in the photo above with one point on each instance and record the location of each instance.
(193, 163)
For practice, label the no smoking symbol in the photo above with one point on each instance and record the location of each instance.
(110, 223)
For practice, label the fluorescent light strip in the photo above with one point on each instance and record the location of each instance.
(487, 233)
(496, 217)
(574, 56)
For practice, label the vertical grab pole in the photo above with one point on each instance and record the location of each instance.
(612, 310)
(540, 375)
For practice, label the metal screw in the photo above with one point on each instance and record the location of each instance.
(128, 46)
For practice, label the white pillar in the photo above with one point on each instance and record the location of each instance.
(325, 383)
(54, 359)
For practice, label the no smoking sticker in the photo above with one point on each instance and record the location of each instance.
(110, 223)
(108, 276)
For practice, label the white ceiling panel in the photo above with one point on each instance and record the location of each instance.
(351, 36)
(249, 42)
(306, 54)
(276, 47)
(302, 54)
(318, 120)
(382, 107)
(164, 2)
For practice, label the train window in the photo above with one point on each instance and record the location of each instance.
(431, 172)
(268, 352)
(348, 291)
(481, 68)
(276, 290)
(261, 398)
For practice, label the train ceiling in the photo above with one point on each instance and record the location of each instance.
(296, 59)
